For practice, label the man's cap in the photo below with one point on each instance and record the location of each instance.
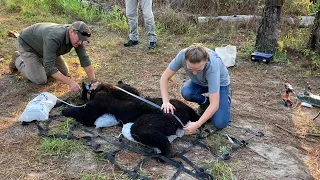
(82, 30)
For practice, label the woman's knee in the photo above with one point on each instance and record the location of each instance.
(221, 123)
(221, 119)
(186, 93)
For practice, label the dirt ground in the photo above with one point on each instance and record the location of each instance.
(257, 91)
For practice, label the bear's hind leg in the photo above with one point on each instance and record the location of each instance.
(154, 138)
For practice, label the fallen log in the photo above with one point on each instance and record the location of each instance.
(303, 21)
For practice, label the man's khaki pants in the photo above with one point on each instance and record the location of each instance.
(132, 16)
(31, 66)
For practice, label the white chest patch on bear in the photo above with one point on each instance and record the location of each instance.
(126, 131)
(106, 120)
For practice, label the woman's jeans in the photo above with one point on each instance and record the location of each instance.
(193, 92)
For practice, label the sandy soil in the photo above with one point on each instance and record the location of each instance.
(257, 91)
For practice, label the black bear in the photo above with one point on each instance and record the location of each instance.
(150, 125)
(105, 98)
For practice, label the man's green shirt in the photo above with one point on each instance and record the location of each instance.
(49, 40)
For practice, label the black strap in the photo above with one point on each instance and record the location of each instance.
(200, 174)
(133, 174)
(43, 131)
(176, 174)
(122, 144)
(200, 171)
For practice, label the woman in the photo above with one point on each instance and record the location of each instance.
(207, 75)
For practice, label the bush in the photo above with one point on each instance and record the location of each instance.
(300, 7)
(175, 23)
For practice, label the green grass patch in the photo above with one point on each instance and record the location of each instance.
(116, 21)
(65, 11)
(281, 57)
(62, 127)
(294, 39)
(175, 23)
(57, 147)
(71, 9)
(220, 171)
(301, 7)
(99, 176)
(313, 57)
(247, 47)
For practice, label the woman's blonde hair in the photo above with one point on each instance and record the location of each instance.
(196, 53)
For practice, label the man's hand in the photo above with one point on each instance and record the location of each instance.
(168, 107)
(93, 85)
(74, 86)
(191, 127)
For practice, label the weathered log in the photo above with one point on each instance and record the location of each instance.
(303, 21)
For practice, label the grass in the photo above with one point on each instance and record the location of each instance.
(294, 39)
(57, 147)
(116, 21)
(247, 47)
(281, 57)
(62, 127)
(170, 27)
(221, 171)
(313, 57)
(301, 7)
(64, 11)
(169, 23)
(98, 176)
(175, 23)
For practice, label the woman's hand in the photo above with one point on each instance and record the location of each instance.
(191, 127)
(168, 107)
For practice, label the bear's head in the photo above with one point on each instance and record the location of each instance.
(85, 88)
(87, 95)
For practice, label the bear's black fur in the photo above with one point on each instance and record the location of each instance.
(151, 126)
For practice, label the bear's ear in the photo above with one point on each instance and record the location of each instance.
(120, 82)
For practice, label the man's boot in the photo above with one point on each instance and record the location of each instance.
(12, 63)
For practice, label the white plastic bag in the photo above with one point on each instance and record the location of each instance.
(227, 54)
(39, 108)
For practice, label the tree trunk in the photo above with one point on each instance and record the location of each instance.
(267, 33)
(314, 41)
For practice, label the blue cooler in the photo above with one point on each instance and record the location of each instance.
(261, 57)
